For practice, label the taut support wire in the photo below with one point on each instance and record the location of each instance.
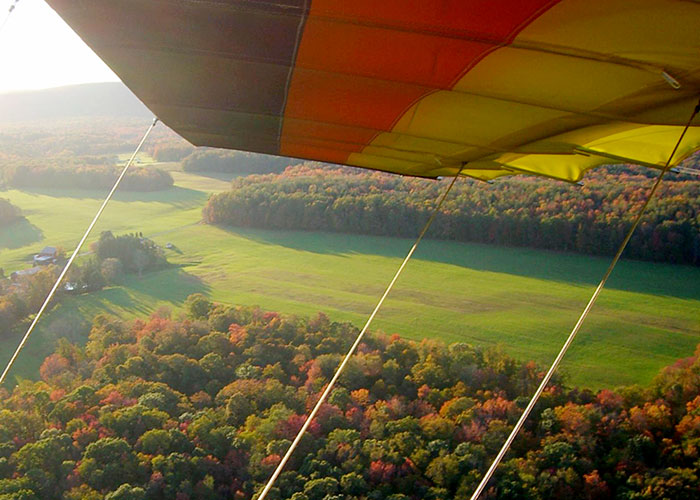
(331, 384)
(9, 13)
(581, 318)
(74, 255)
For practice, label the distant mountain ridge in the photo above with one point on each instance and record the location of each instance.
(110, 100)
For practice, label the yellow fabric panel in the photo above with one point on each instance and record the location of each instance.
(583, 75)
(414, 157)
(587, 148)
(392, 164)
(646, 144)
(661, 33)
(569, 168)
(651, 144)
(553, 80)
(483, 174)
(438, 148)
(456, 117)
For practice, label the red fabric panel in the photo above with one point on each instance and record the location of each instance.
(364, 63)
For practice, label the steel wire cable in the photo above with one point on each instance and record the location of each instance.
(63, 273)
(582, 318)
(352, 349)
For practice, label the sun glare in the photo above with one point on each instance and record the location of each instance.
(38, 50)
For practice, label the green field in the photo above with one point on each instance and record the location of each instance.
(525, 300)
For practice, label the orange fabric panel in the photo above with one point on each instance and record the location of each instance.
(365, 63)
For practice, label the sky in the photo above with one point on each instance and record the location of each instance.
(38, 50)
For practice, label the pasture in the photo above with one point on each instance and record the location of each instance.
(523, 300)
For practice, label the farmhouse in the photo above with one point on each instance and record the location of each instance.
(47, 256)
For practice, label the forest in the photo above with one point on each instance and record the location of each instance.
(171, 152)
(235, 162)
(22, 296)
(519, 211)
(81, 153)
(134, 252)
(202, 407)
(9, 214)
(86, 177)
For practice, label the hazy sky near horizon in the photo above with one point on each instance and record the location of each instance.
(38, 50)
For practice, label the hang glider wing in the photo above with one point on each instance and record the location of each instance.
(416, 87)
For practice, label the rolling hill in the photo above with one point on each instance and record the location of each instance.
(111, 99)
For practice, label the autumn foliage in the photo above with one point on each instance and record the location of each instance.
(520, 211)
(204, 406)
(30, 176)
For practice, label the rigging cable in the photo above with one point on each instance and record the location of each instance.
(75, 254)
(352, 349)
(688, 171)
(582, 318)
(9, 12)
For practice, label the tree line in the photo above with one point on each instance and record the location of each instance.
(86, 177)
(520, 211)
(203, 407)
(9, 213)
(235, 162)
(172, 152)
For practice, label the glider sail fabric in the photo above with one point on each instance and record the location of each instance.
(415, 87)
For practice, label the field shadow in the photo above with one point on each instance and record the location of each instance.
(169, 285)
(123, 301)
(219, 176)
(338, 244)
(177, 196)
(629, 275)
(19, 234)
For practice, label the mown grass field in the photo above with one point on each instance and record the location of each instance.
(525, 300)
